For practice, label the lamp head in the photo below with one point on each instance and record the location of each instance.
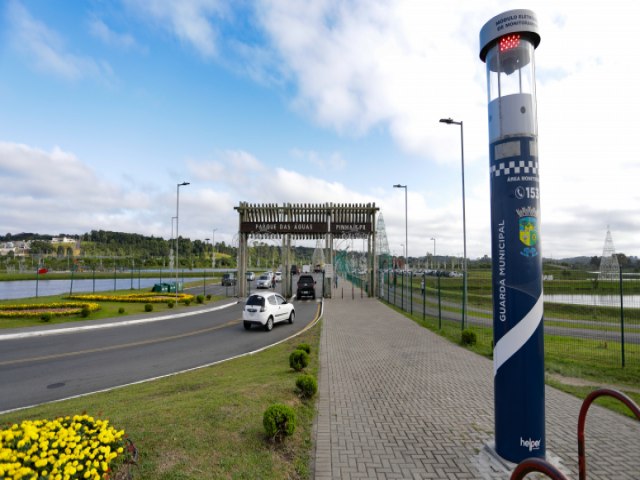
(448, 121)
(183, 184)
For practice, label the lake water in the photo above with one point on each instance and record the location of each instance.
(27, 288)
(630, 301)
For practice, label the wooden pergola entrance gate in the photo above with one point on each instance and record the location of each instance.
(306, 222)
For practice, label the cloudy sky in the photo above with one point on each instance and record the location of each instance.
(107, 106)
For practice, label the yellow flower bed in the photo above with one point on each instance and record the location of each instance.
(133, 297)
(78, 447)
(55, 309)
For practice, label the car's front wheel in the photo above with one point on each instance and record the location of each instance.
(292, 316)
(269, 325)
(247, 325)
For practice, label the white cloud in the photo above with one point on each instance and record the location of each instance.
(101, 30)
(333, 162)
(188, 20)
(45, 49)
(55, 192)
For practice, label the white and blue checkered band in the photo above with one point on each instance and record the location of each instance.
(515, 167)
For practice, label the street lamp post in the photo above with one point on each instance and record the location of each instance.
(449, 121)
(406, 228)
(177, 235)
(213, 249)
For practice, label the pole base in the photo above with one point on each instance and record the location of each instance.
(492, 466)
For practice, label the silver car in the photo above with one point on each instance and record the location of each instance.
(264, 281)
(265, 309)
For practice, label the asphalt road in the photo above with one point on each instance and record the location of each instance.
(55, 364)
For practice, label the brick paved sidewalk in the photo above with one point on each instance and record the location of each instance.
(399, 402)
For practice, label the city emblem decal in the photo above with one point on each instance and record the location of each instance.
(528, 230)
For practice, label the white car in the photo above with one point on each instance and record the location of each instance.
(278, 276)
(251, 276)
(264, 281)
(265, 309)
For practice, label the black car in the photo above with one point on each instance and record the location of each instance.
(228, 279)
(306, 287)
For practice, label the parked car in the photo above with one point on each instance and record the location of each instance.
(294, 270)
(251, 276)
(266, 309)
(306, 287)
(228, 279)
(278, 276)
(264, 281)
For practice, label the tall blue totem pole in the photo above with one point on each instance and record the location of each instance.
(507, 44)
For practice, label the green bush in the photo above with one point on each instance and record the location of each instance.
(279, 421)
(307, 386)
(148, 307)
(84, 313)
(298, 360)
(468, 338)
(304, 346)
(46, 317)
(121, 310)
(171, 304)
(187, 302)
(200, 298)
(208, 296)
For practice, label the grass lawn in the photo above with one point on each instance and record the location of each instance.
(208, 423)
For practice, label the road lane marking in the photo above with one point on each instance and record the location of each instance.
(124, 323)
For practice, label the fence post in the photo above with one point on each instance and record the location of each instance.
(424, 298)
(411, 291)
(621, 318)
(402, 292)
(439, 306)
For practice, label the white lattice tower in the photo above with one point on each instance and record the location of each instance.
(318, 254)
(382, 247)
(609, 267)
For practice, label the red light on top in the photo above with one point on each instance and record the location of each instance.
(509, 41)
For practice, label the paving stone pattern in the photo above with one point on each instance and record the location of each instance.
(397, 401)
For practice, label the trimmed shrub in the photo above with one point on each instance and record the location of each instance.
(171, 304)
(85, 311)
(187, 302)
(279, 421)
(200, 299)
(148, 307)
(307, 386)
(298, 360)
(304, 346)
(208, 296)
(121, 310)
(468, 338)
(46, 317)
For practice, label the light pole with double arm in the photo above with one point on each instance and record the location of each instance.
(449, 121)
(406, 227)
(177, 235)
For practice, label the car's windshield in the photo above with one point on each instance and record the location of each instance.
(264, 277)
(256, 300)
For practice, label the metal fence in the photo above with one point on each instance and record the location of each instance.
(587, 318)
